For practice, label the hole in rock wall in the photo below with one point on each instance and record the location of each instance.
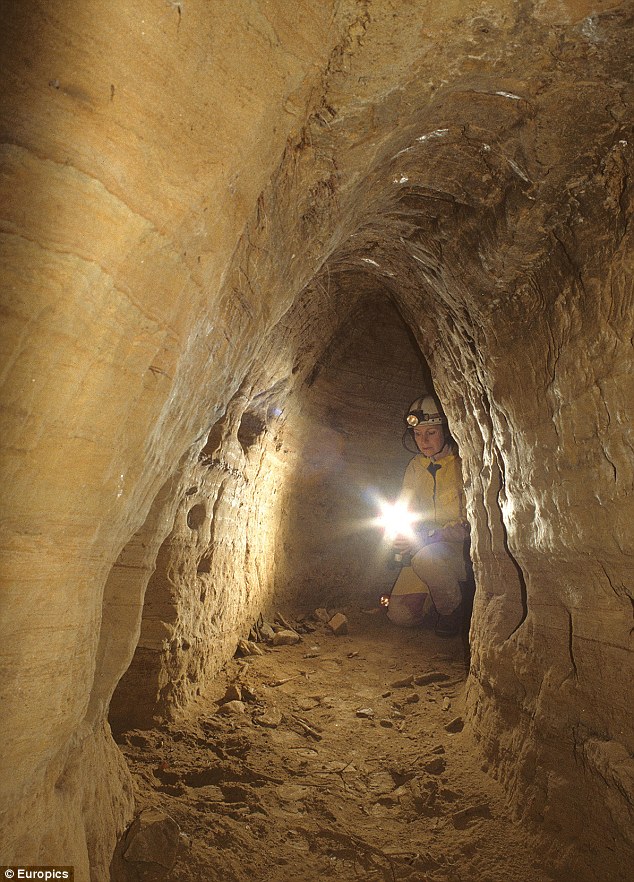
(252, 426)
(213, 442)
(204, 565)
(196, 516)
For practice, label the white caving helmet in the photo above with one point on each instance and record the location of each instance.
(425, 410)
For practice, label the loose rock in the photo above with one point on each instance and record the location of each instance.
(338, 624)
(285, 638)
(270, 718)
(266, 631)
(248, 647)
(153, 840)
(461, 819)
(430, 677)
(365, 713)
(232, 708)
(403, 683)
(233, 693)
(456, 725)
(292, 792)
(283, 622)
(307, 703)
(321, 615)
(248, 693)
(435, 766)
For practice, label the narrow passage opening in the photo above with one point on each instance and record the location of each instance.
(350, 457)
(333, 742)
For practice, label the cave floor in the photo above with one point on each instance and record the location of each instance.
(339, 766)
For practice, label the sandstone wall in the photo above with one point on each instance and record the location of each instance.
(194, 206)
(127, 176)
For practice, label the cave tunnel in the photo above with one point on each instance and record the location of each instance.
(238, 240)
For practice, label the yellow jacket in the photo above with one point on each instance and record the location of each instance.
(439, 501)
(440, 504)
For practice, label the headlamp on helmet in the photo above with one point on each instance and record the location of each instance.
(426, 411)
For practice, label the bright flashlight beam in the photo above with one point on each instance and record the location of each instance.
(396, 519)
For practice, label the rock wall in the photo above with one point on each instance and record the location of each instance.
(211, 571)
(129, 140)
(211, 221)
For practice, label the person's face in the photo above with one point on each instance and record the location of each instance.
(430, 440)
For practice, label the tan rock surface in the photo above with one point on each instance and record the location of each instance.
(381, 789)
(228, 234)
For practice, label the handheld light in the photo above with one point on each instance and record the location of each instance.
(396, 519)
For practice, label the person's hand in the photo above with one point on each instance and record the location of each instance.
(453, 533)
(402, 545)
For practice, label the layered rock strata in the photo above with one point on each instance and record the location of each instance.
(209, 218)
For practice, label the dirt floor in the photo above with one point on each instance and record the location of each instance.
(344, 758)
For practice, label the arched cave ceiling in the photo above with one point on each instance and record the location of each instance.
(196, 198)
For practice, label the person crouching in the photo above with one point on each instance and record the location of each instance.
(432, 486)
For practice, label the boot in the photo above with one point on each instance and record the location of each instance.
(449, 625)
